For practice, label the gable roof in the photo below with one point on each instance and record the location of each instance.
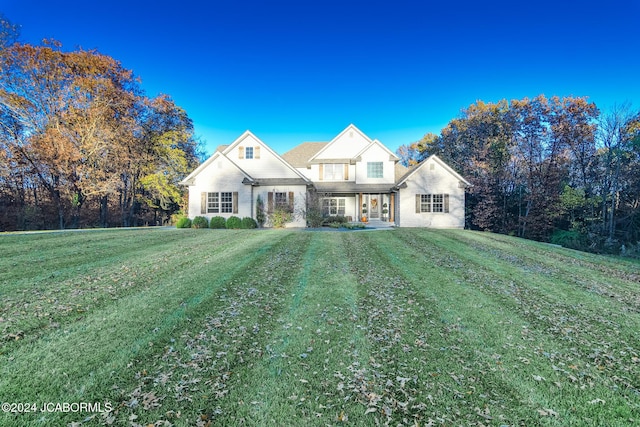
(299, 156)
(375, 142)
(248, 134)
(349, 128)
(413, 169)
(218, 154)
(223, 150)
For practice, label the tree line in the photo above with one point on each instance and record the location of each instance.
(550, 169)
(80, 143)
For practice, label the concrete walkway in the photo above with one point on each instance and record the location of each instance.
(379, 225)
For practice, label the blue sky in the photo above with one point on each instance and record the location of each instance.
(294, 71)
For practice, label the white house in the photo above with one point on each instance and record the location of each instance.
(353, 176)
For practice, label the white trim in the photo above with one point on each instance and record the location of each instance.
(379, 144)
(351, 127)
(189, 179)
(441, 163)
(248, 133)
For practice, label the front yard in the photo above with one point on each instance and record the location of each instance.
(280, 327)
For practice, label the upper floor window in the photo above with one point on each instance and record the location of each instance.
(374, 170)
(333, 171)
(249, 152)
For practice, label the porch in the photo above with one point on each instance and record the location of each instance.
(360, 207)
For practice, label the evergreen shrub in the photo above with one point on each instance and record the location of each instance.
(183, 222)
(200, 222)
(248, 222)
(233, 222)
(218, 222)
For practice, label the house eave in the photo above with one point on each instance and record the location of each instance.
(352, 187)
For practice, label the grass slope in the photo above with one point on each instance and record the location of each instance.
(264, 327)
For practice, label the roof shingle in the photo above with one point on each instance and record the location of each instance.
(299, 156)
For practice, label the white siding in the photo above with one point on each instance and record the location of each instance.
(267, 166)
(345, 146)
(432, 181)
(308, 173)
(225, 172)
(299, 201)
(375, 153)
(220, 176)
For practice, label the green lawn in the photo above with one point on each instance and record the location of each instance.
(276, 327)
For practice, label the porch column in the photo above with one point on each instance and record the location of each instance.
(360, 207)
(392, 207)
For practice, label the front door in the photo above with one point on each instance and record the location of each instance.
(374, 206)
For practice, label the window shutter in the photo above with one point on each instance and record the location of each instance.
(203, 203)
(291, 200)
(417, 203)
(256, 152)
(321, 169)
(346, 171)
(235, 202)
(270, 201)
(446, 203)
(241, 152)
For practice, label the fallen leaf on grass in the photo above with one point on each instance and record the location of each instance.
(547, 413)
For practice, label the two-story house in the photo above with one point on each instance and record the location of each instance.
(352, 175)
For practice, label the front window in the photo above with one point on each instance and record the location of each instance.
(213, 202)
(437, 203)
(226, 202)
(281, 200)
(425, 203)
(332, 207)
(248, 153)
(374, 170)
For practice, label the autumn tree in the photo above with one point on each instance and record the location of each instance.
(546, 168)
(9, 32)
(618, 163)
(77, 128)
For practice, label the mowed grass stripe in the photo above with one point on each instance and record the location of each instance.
(75, 364)
(40, 257)
(209, 358)
(545, 371)
(427, 369)
(362, 328)
(555, 301)
(54, 302)
(618, 281)
(295, 382)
